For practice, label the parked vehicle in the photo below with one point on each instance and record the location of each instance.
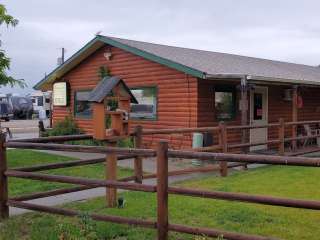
(41, 101)
(17, 107)
(22, 107)
(5, 111)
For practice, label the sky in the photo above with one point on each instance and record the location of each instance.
(285, 30)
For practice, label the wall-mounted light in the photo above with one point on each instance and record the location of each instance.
(107, 54)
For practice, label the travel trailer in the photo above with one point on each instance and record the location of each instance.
(41, 101)
(18, 107)
(6, 112)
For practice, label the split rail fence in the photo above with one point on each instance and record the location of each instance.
(286, 133)
(162, 224)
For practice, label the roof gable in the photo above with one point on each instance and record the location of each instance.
(197, 63)
(105, 87)
(98, 42)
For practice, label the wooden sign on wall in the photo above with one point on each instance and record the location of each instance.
(60, 94)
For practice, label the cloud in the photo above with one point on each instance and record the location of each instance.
(282, 30)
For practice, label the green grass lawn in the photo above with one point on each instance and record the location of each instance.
(20, 158)
(284, 223)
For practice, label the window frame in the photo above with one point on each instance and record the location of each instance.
(75, 115)
(153, 118)
(233, 91)
(40, 99)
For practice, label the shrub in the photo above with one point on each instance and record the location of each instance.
(126, 143)
(69, 127)
(65, 127)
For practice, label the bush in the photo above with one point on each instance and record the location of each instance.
(87, 142)
(69, 127)
(65, 127)
(126, 143)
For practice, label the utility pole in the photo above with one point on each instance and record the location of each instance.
(62, 54)
(61, 59)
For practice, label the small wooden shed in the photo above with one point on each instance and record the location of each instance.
(111, 100)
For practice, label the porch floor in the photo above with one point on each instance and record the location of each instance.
(289, 152)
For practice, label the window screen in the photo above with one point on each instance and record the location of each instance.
(224, 103)
(82, 108)
(147, 103)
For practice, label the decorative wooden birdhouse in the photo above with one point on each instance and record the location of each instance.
(111, 100)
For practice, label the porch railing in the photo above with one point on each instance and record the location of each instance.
(222, 131)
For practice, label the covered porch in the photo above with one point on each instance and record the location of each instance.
(266, 113)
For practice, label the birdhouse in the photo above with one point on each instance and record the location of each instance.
(111, 100)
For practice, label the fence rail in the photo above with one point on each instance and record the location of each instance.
(162, 188)
(80, 148)
(225, 146)
(55, 138)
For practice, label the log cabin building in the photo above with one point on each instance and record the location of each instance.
(179, 87)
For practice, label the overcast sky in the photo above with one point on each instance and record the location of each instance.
(286, 30)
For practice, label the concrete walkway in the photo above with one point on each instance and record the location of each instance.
(86, 194)
(149, 165)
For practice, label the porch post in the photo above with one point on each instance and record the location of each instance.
(244, 109)
(244, 113)
(294, 115)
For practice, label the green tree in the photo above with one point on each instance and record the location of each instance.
(4, 59)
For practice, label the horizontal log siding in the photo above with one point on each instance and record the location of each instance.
(277, 107)
(311, 104)
(183, 101)
(206, 110)
(177, 92)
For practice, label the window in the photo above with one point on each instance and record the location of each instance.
(224, 101)
(82, 108)
(147, 103)
(257, 106)
(40, 101)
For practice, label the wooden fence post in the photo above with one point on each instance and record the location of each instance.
(294, 116)
(223, 143)
(4, 209)
(162, 190)
(111, 172)
(41, 127)
(138, 164)
(244, 88)
(281, 136)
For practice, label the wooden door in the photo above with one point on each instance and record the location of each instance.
(259, 116)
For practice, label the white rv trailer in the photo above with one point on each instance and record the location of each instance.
(41, 101)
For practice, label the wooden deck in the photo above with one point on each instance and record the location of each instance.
(289, 152)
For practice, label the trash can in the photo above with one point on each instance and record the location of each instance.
(42, 114)
(207, 139)
(318, 138)
(197, 141)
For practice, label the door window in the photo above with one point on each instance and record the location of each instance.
(258, 106)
